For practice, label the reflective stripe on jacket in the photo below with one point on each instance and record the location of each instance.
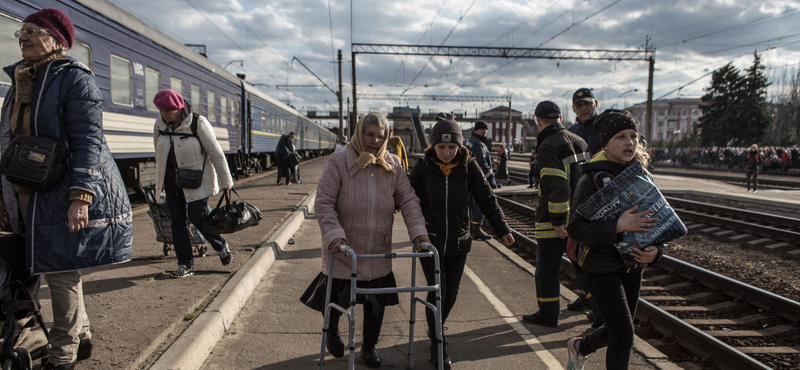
(559, 155)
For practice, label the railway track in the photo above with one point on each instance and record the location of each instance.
(788, 182)
(726, 323)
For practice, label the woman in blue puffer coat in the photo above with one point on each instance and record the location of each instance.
(85, 219)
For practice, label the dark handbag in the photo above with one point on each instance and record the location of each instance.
(36, 163)
(185, 178)
(231, 217)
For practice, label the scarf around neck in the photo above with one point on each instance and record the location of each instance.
(366, 158)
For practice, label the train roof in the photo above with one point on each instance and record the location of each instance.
(135, 24)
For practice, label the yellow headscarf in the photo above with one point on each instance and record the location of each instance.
(366, 158)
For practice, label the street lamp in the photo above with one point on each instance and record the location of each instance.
(625, 102)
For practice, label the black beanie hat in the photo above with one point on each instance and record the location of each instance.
(612, 121)
(446, 130)
(480, 125)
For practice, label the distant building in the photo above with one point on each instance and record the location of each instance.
(673, 119)
(523, 129)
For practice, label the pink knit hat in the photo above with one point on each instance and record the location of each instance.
(56, 23)
(169, 100)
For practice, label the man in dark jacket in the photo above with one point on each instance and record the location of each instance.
(478, 145)
(585, 107)
(285, 147)
(560, 155)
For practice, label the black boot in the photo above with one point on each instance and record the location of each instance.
(334, 343)
(371, 357)
(446, 361)
(477, 233)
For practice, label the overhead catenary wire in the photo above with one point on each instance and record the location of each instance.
(250, 30)
(333, 55)
(461, 18)
(233, 42)
(558, 34)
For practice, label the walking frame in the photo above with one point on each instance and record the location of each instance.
(413, 289)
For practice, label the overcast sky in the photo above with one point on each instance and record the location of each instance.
(692, 38)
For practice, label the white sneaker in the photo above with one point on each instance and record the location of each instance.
(576, 360)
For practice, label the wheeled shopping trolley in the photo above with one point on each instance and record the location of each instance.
(413, 289)
(159, 213)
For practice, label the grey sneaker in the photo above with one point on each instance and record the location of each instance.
(183, 271)
(225, 255)
(576, 360)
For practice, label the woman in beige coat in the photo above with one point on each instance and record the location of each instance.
(356, 197)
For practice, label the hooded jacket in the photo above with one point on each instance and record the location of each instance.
(192, 153)
(597, 252)
(479, 148)
(443, 191)
(357, 205)
(67, 108)
(560, 153)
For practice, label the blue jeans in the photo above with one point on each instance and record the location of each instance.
(197, 213)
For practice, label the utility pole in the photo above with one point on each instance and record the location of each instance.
(350, 122)
(355, 101)
(339, 96)
(648, 126)
(509, 139)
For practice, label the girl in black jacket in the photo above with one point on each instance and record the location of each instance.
(614, 284)
(444, 181)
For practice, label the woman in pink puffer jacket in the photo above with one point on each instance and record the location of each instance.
(357, 194)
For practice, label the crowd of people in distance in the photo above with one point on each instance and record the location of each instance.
(771, 158)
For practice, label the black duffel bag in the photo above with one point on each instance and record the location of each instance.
(231, 217)
(36, 163)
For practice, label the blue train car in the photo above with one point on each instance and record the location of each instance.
(132, 61)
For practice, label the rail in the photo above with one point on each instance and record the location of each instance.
(676, 288)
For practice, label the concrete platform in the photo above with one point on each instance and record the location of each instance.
(136, 310)
(276, 331)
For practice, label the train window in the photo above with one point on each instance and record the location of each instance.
(152, 84)
(121, 83)
(269, 122)
(9, 47)
(82, 53)
(235, 113)
(263, 122)
(223, 109)
(196, 99)
(176, 85)
(212, 106)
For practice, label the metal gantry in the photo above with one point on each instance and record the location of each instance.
(504, 52)
(648, 54)
(453, 98)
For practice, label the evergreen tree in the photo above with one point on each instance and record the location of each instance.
(754, 120)
(721, 105)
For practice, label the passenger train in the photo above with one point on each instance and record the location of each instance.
(132, 61)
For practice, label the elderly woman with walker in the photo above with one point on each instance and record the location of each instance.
(358, 191)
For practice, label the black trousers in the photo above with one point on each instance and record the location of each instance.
(283, 167)
(532, 176)
(616, 296)
(754, 175)
(451, 271)
(548, 289)
(371, 324)
(586, 291)
(195, 212)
